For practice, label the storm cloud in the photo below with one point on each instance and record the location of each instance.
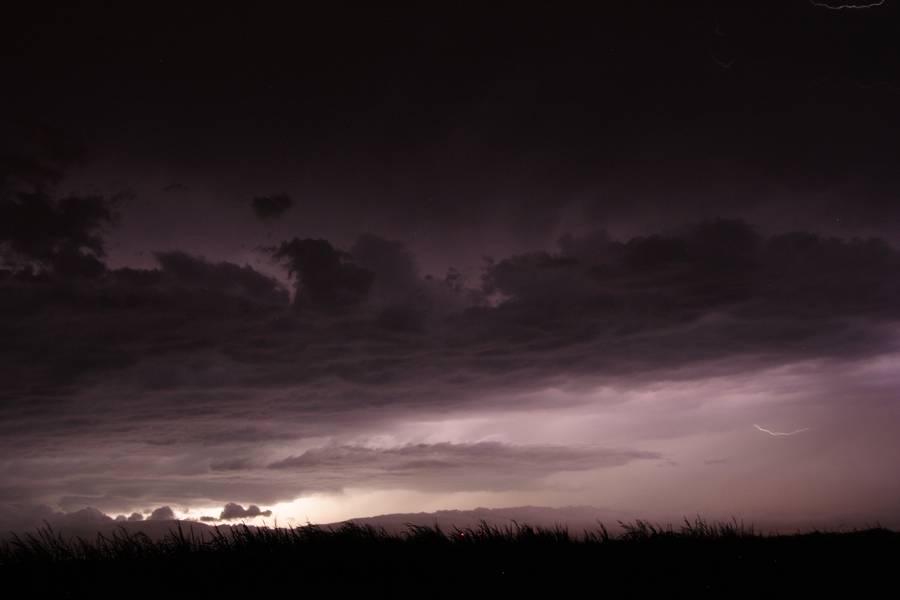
(169, 360)
(488, 259)
(218, 382)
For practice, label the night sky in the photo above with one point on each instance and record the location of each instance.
(344, 261)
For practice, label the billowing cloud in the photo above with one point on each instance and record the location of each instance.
(233, 511)
(326, 278)
(163, 513)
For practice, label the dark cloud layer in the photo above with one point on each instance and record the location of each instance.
(650, 286)
(717, 267)
(202, 369)
(596, 307)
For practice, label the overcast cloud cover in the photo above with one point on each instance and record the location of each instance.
(450, 274)
(199, 382)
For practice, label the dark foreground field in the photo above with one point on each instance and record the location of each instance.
(694, 560)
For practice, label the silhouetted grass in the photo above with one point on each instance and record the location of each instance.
(696, 559)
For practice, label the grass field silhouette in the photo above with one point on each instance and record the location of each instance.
(696, 559)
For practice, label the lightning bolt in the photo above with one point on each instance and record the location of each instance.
(846, 6)
(780, 433)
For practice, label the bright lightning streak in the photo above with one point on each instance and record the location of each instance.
(780, 433)
(846, 6)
